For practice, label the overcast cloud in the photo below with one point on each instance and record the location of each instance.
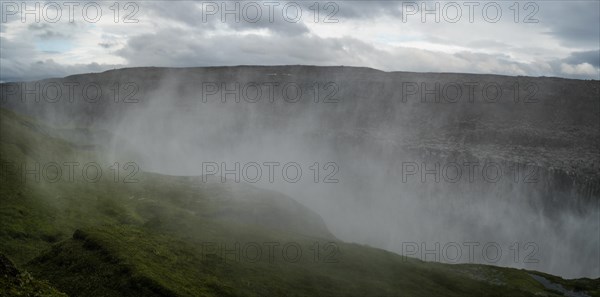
(543, 39)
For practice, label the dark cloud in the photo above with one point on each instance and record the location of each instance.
(281, 28)
(38, 26)
(107, 44)
(590, 57)
(238, 49)
(188, 13)
(575, 23)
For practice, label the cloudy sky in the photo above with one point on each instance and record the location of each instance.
(537, 38)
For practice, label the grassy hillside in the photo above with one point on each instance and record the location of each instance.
(157, 235)
(16, 283)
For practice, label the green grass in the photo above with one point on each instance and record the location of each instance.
(20, 283)
(152, 238)
(126, 258)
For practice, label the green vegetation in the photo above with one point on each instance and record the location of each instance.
(177, 236)
(16, 283)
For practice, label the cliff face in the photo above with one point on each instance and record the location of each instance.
(531, 144)
(550, 123)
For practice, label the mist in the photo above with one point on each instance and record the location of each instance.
(364, 158)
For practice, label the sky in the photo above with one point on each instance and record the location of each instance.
(537, 38)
